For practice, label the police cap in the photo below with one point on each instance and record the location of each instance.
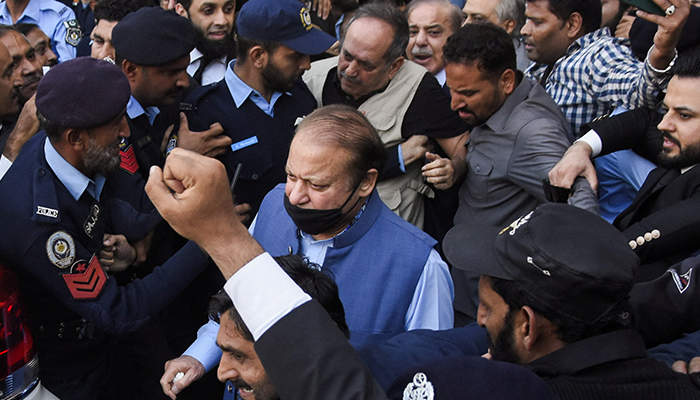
(82, 93)
(153, 36)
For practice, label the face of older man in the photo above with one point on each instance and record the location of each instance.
(25, 59)
(42, 47)
(10, 82)
(362, 68)
(429, 26)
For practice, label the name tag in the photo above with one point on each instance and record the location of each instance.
(244, 143)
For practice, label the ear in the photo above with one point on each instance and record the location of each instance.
(574, 26)
(131, 70)
(258, 56)
(528, 330)
(509, 25)
(395, 65)
(368, 183)
(507, 81)
(181, 10)
(76, 138)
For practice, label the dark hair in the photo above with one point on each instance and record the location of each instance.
(567, 329)
(25, 28)
(319, 285)
(591, 11)
(53, 130)
(4, 29)
(243, 46)
(688, 64)
(455, 15)
(485, 44)
(116, 10)
(343, 126)
(395, 18)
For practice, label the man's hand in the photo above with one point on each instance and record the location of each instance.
(439, 171)
(210, 143)
(116, 254)
(691, 368)
(668, 32)
(323, 7)
(142, 248)
(243, 211)
(576, 161)
(414, 148)
(189, 366)
(192, 193)
(27, 126)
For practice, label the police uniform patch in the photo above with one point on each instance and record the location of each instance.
(419, 389)
(73, 32)
(48, 212)
(305, 18)
(128, 163)
(88, 284)
(61, 249)
(91, 220)
(682, 281)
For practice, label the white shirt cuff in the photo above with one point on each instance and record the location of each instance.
(593, 140)
(263, 294)
(5, 164)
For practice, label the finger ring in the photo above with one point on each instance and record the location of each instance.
(670, 10)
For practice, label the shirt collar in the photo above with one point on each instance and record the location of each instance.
(70, 177)
(441, 77)
(241, 91)
(32, 11)
(587, 39)
(134, 109)
(195, 55)
(686, 169)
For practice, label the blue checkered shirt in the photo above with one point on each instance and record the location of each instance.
(598, 74)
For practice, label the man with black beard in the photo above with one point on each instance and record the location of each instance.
(213, 25)
(58, 203)
(662, 223)
(261, 95)
(554, 298)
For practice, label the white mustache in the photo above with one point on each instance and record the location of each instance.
(422, 51)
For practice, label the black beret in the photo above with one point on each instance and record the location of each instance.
(82, 93)
(153, 36)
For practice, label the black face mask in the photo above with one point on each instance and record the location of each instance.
(315, 222)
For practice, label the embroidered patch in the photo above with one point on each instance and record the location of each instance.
(49, 212)
(61, 249)
(73, 32)
(128, 163)
(419, 389)
(244, 143)
(517, 224)
(91, 220)
(86, 285)
(682, 281)
(305, 18)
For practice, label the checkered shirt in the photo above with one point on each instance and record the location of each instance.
(598, 74)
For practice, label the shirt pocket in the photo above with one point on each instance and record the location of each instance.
(478, 176)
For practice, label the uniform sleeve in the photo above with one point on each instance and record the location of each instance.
(666, 307)
(683, 349)
(430, 114)
(431, 306)
(64, 51)
(76, 278)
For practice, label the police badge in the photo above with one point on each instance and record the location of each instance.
(419, 389)
(73, 32)
(61, 249)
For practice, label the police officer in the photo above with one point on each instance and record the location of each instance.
(55, 19)
(56, 210)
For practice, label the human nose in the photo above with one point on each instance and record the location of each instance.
(296, 192)
(421, 38)
(226, 371)
(457, 101)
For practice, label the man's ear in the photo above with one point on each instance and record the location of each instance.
(507, 81)
(76, 138)
(509, 25)
(395, 65)
(574, 26)
(258, 56)
(181, 10)
(368, 183)
(131, 70)
(529, 328)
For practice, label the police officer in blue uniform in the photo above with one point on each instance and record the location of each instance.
(56, 20)
(56, 210)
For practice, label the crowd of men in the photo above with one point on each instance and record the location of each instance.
(492, 199)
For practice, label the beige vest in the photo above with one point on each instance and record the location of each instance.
(402, 194)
